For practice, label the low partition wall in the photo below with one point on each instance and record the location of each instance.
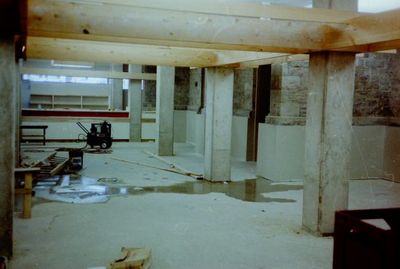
(375, 152)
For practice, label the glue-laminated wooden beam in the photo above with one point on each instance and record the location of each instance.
(237, 8)
(115, 23)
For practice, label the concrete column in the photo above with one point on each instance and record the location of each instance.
(18, 115)
(218, 129)
(116, 97)
(328, 138)
(165, 110)
(328, 132)
(135, 106)
(7, 143)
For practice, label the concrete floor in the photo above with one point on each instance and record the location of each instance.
(211, 230)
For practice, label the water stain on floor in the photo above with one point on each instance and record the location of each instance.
(250, 190)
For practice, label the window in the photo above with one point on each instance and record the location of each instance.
(64, 79)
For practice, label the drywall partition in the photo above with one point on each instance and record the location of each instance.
(281, 152)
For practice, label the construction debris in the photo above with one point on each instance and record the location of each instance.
(77, 191)
(133, 258)
(97, 150)
(173, 168)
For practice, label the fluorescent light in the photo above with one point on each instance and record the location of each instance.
(71, 64)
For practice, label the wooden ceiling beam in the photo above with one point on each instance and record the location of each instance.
(160, 27)
(111, 52)
(235, 8)
(372, 32)
(161, 32)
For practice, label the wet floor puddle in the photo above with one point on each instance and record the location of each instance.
(250, 190)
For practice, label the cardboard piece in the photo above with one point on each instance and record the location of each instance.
(133, 258)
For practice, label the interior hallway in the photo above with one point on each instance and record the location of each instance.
(184, 230)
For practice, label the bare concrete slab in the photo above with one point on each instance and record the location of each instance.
(183, 229)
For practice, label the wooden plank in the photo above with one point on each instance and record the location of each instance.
(238, 8)
(172, 165)
(59, 167)
(87, 73)
(26, 169)
(22, 191)
(135, 258)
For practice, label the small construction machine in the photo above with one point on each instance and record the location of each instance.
(99, 134)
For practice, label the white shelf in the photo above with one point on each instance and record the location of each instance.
(73, 101)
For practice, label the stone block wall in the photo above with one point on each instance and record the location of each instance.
(194, 94)
(377, 85)
(181, 98)
(289, 84)
(243, 91)
(149, 96)
(182, 81)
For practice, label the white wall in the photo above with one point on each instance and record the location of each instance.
(66, 128)
(281, 152)
(54, 88)
(61, 128)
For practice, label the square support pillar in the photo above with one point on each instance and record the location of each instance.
(165, 110)
(219, 100)
(116, 93)
(7, 145)
(328, 138)
(135, 106)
